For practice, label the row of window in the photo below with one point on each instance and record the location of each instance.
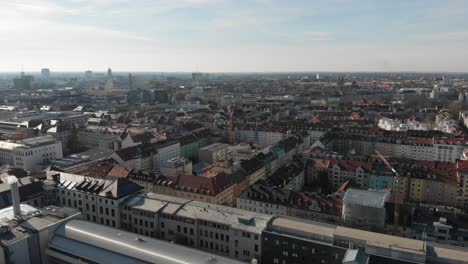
(214, 235)
(177, 218)
(214, 246)
(78, 195)
(79, 203)
(214, 225)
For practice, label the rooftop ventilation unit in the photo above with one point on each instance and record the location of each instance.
(13, 181)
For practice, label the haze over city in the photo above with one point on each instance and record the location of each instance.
(234, 36)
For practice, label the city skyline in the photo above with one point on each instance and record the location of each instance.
(228, 36)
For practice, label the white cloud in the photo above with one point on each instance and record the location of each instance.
(136, 7)
(30, 36)
(34, 8)
(32, 33)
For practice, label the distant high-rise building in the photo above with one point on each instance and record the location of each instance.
(317, 76)
(196, 76)
(109, 73)
(341, 80)
(109, 85)
(130, 84)
(45, 73)
(23, 82)
(88, 74)
(161, 96)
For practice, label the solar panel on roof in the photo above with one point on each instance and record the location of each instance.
(66, 183)
(80, 185)
(91, 186)
(98, 187)
(71, 185)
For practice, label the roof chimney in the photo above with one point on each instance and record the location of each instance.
(13, 181)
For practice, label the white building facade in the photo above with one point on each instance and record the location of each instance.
(266, 138)
(36, 151)
(147, 157)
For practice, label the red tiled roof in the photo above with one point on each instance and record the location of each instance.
(426, 163)
(444, 171)
(452, 141)
(323, 164)
(99, 170)
(119, 171)
(142, 137)
(199, 184)
(423, 141)
(350, 165)
(462, 164)
(333, 205)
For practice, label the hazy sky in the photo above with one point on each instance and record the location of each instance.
(237, 35)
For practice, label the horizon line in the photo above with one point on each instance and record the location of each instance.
(242, 72)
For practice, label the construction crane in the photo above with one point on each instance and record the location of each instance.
(397, 194)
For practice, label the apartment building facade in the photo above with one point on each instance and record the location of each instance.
(213, 228)
(147, 157)
(266, 138)
(98, 139)
(99, 200)
(341, 171)
(417, 148)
